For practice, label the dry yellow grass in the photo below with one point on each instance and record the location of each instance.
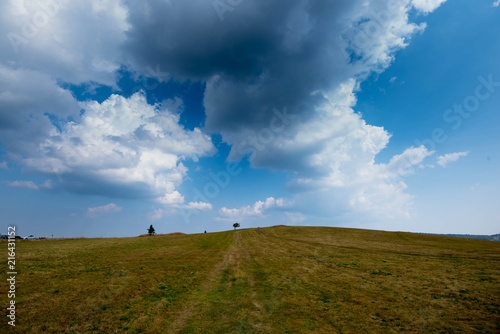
(268, 280)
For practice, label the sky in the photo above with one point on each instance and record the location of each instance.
(193, 115)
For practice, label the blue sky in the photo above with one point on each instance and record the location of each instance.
(191, 118)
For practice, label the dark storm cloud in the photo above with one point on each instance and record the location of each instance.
(81, 182)
(26, 98)
(263, 55)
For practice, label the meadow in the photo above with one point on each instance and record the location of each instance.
(267, 280)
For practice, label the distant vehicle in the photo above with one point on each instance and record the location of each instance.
(4, 236)
(30, 237)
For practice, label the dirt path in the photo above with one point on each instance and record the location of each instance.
(236, 260)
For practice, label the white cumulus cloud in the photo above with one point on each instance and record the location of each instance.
(23, 184)
(255, 210)
(117, 144)
(109, 208)
(75, 41)
(30, 184)
(443, 160)
(427, 6)
(201, 206)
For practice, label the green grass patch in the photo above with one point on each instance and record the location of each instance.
(267, 280)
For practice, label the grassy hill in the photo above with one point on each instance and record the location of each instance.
(268, 280)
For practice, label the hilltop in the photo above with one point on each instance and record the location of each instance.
(267, 280)
(494, 237)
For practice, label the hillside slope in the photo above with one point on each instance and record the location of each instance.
(268, 280)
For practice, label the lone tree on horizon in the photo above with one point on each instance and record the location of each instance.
(151, 230)
(236, 225)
